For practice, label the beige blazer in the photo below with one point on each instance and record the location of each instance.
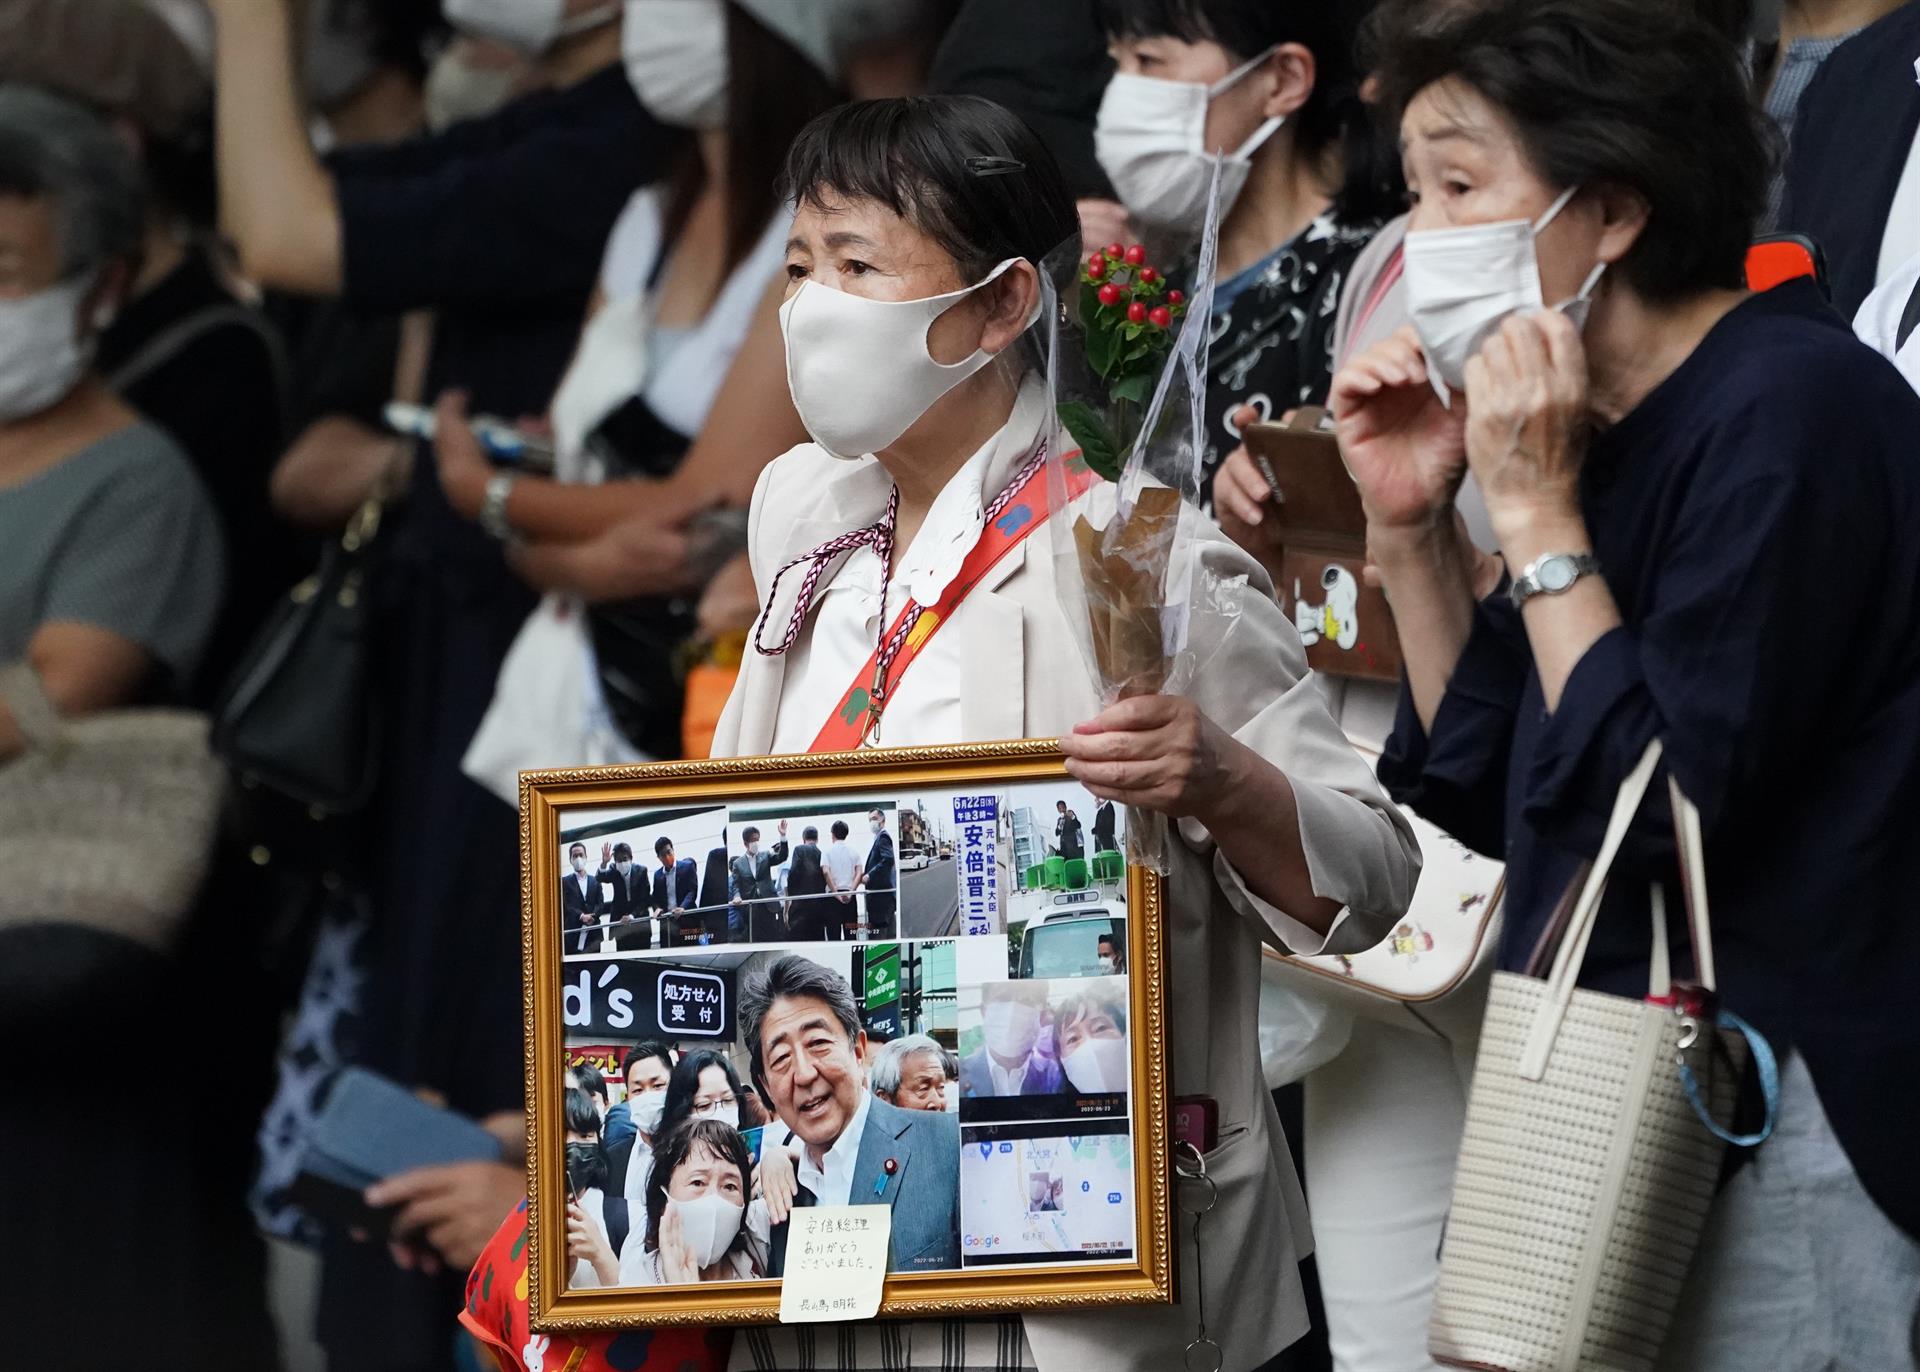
(1359, 849)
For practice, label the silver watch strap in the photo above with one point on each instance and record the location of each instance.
(493, 506)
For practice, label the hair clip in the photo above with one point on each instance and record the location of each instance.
(994, 166)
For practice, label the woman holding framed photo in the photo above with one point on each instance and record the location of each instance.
(913, 276)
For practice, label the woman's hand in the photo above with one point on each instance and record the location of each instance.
(1407, 452)
(731, 602)
(776, 1181)
(453, 1208)
(458, 456)
(1157, 753)
(587, 1240)
(676, 1258)
(1103, 222)
(1526, 421)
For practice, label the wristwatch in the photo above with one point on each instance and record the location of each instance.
(1552, 574)
(493, 505)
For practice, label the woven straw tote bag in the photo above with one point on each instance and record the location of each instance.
(139, 783)
(1590, 1155)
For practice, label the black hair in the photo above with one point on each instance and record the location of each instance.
(840, 829)
(963, 170)
(1102, 1000)
(791, 977)
(661, 845)
(809, 835)
(750, 834)
(591, 1079)
(576, 844)
(673, 1147)
(623, 850)
(640, 1052)
(582, 1118)
(772, 92)
(684, 1084)
(1640, 94)
(1334, 115)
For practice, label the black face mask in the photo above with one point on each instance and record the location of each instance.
(586, 1167)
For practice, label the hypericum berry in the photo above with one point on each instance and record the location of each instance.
(1136, 313)
(1176, 297)
(1096, 266)
(1115, 251)
(1136, 255)
(1148, 276)
(1160, 315)
(1109, 294)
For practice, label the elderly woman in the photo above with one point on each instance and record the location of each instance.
(912, 281)
(112, 576)
(916, 1073)
(1679, 474)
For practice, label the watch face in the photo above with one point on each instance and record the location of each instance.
(1555, 574)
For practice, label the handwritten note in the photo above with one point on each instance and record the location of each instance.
(836, 1261)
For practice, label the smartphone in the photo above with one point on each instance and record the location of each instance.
(505, 445)
(1782, 257)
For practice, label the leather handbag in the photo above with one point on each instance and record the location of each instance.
(143, 779)
(1591, 1153)
(298, 717)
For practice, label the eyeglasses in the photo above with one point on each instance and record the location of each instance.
(712, 1103)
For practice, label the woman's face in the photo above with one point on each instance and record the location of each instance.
(1100, 1024)
(713, 1091)
(1465, 165)
(704, 1174)
(1234, 113)
(865, 249)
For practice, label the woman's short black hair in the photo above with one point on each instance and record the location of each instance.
(582, 1118)
(675, 1146)
(684, 1084)
(592, 1080)
(1644, 94)
(960, 168)
(1334, 113)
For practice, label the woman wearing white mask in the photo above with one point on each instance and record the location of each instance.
(1663, 456)
(912, 284)
(113, 574)
(700, 1223)
(1090, 1034)
(1268, 94)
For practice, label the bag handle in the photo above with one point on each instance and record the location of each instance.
(26, 699)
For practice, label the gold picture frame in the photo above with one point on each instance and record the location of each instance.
(553, 803)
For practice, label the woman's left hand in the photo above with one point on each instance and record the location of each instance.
(1154, 752)
(458, 456)
(585, 1239)
(1526, 419)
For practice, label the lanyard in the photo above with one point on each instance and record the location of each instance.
(1012, 516)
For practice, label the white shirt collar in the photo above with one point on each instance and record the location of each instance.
(1007, 1081)
(833, 1183)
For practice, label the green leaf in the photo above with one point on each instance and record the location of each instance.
(1135, 388)
(1090, 432)
(1089, 303)
(1103, 345)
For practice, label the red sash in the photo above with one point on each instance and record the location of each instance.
(853, 719)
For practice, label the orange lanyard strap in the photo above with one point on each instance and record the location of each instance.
(1013, 515)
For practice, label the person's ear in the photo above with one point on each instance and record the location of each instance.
(1289, 75)
(1623, 218)
(1012, 301)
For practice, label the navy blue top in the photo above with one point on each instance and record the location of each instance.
(1757, 520)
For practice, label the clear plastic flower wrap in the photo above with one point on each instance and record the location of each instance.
(1126, 368)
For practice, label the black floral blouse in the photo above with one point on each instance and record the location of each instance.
(1272, 347)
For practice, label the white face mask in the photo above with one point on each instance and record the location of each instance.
(1012, 1028)
(623, 867)
(875, 825)
(42, 355)
(1462, 283)
(1106, 964)
(728, 1114)
(647, 1109)
(457, 89)
(676, 52)
(1097, 1065)
(579, 864)
(527, 26)
(710, 1224)
(1151, 139)
(859, 369)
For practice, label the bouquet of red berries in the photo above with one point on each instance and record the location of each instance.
(1127, 317)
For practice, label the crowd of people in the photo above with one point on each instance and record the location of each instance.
(575, 322)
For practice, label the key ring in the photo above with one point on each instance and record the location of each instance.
(1203, 1354)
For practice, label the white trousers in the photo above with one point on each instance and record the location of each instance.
(1383, 1123)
